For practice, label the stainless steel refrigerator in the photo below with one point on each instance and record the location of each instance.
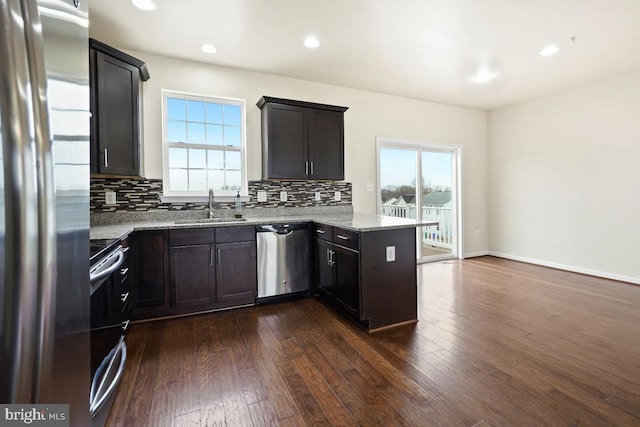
(44, 204)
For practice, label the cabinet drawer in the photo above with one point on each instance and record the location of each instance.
(347, 238)
(191, 236)
(323, 231)
(235, 234)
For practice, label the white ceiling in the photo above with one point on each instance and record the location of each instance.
(425, 49)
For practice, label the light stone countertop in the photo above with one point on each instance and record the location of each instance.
(351, 221)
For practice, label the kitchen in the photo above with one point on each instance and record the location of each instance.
(490, 220)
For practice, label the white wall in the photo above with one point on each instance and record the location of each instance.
(370, 114)
(564, 179)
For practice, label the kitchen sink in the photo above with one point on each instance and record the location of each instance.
(209, 220)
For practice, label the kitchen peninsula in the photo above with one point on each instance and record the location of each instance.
(365, 265)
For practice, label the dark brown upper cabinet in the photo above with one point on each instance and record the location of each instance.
(115, 80)
(302, 140)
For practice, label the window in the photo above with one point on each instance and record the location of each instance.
(203, 145)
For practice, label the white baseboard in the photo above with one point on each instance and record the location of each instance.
(589, 272)
(475, 254)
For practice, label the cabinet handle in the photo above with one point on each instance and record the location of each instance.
(340, 236)
(218, 253)
(306, 167)
(311, 167)
(211, 257)
(320, 231)
(106, 157)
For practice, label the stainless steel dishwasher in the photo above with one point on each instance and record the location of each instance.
(284, 260)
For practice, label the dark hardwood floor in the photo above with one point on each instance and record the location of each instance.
(498, 343)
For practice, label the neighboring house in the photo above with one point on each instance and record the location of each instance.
(437, 198)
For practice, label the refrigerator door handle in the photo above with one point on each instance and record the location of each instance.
(20, 346)
(47, 239)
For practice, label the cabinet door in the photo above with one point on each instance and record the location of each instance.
(236, 272)
(347, 279)
(284, 136)
(116, 92)
(192, 276)
(325, 273)
(326, 144)
(150, 270)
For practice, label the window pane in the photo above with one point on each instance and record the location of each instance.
(216, 179)
(176, 109)
(197, 180)
(178, 179)
(234, 180)
(195, 111)
(233, 160)
(177, 157)
(177, 132)
(215, 159)
(214, 113)
(196, 133)
(197, 159)
(214, 135)
(232, 136)
(232, 114)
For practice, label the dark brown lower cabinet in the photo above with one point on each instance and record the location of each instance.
(193, 277)
(355, 275)
(347, 290)
(337, 274)
(325, 274)
(236, 272)
(150, 273)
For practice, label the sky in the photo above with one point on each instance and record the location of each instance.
(398, 167)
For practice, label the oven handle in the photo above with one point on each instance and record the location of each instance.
(96, 399)
(93, 277)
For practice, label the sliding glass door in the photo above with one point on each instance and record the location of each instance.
(419, 180)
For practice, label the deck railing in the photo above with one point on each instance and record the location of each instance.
(440, 236)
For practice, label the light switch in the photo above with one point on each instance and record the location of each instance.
(318, 196)
(109, 197)
(391, 253)
(283, 196)
(370, 187)
(262, 196)
(336, 196)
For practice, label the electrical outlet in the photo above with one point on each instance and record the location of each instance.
(391, 253)
(283, 196)
(109, 197)
(318, 196)
(370, 188)
(336, 196)
(262, 196)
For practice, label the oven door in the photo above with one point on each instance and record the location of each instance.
(105, 382)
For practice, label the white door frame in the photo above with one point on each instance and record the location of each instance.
(409, 144)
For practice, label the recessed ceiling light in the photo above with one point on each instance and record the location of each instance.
(549, 50)
(311, 42)
(483, 76)
(144, 4)
(208, 48)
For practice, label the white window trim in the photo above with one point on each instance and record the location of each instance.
(220, 196)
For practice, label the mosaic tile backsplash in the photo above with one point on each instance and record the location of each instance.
(139, 195)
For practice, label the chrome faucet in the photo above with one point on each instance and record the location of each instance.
(211, 203)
